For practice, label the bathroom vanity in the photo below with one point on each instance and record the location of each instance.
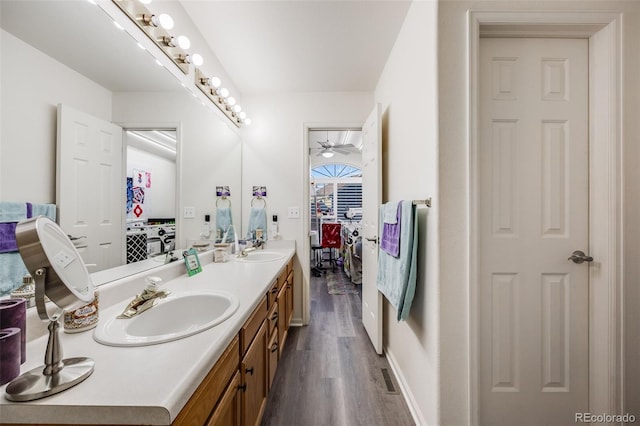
(219, 376)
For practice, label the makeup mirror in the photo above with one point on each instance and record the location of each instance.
(61, 275)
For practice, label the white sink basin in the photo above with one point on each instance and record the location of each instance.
(179, 315)
(261, 256)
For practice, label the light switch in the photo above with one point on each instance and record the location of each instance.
(189, 212)
(293, 212)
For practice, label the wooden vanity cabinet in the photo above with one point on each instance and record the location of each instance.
(253, 372)
(215, 387)
(229, 409)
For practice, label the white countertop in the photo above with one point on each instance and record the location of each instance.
(147, 384)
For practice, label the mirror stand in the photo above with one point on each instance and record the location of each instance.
(57, 374)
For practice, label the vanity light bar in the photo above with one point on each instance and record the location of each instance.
(211, 92)
(141, 16)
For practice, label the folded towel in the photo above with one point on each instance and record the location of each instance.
(48, 210)
(258, 220)
(223, 219)
(391, 214)
(390, 240)
(12, 212)
(396, 278)
(12, 267)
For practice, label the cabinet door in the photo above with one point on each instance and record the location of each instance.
(282, 320)
(254, 379)
(289, 303)
(228, 412)
(272, 358)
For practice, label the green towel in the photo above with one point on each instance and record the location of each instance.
(397, 277)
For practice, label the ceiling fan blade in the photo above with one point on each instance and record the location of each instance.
(346, 145)
(342, 151)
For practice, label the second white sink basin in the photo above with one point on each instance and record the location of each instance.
(177, 316)
(261, 256)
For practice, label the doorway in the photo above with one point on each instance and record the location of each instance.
(602, 30)
(335, 209)
(151, 179)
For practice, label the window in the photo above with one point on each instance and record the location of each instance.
(335, 189)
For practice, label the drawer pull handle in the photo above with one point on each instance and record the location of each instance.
(274, 347)
(274, 316)
(249, 370)
(243, 388)
(274, 290)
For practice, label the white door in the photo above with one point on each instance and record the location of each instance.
(371, 199)
(534, 212)
(90, 186)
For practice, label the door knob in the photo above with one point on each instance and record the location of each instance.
(578, 256)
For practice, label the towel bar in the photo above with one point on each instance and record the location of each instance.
(426, 202)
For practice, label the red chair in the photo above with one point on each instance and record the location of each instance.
(331, 240)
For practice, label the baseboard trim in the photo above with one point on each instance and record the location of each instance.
(404, 389)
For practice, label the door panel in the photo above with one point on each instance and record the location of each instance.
(534, 213)
(371, 200)
(90, 186)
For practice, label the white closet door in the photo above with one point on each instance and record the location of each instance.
(534, 212)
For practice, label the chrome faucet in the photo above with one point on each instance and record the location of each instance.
(146, 299)
(256, 245)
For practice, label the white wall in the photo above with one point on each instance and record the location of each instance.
(274, 155)
(454, 193)
(32, 85)
(407, 91)
(209, 148)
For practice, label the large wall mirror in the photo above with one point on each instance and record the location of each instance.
(69, 55)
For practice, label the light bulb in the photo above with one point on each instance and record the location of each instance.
(231, 100)
(215, 82)
(247, 121)
(237, 108)
(327, 154)
(242, 115)
(197, 60)
(165, 21)
(184, 42)
(224, 92)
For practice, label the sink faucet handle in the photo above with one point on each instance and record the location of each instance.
(154, 282)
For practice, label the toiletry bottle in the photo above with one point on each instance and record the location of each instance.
(206, 228)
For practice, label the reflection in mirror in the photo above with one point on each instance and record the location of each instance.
(104, 74)
(61, 275)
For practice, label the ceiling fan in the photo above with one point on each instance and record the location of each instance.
(328, 149)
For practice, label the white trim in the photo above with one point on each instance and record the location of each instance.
(405, 389)
(606, 382)
(306, 245)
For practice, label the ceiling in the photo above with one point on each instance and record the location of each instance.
(300, 46)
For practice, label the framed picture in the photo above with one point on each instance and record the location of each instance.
(259, 191)
(191, 261)
(223, 191)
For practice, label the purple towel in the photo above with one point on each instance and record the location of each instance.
(390, 241)
(8, 231)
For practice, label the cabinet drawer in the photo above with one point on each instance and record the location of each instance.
(251, 327)
(205, 398)
(272, 294)
(272, 319)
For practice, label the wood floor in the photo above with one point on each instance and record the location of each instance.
(329, 373)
